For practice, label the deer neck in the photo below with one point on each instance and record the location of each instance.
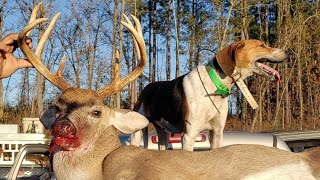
(312, 154)
(86, 162)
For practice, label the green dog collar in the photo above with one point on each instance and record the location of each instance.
(221, 88)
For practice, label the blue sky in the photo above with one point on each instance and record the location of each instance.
(12, 23)
(11, 86)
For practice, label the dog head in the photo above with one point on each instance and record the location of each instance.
(248, 57)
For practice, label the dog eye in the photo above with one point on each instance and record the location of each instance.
(263, 45)
(96, 114)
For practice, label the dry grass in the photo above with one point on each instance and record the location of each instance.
(235, 124)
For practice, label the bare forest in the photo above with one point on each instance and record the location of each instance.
(179, 35)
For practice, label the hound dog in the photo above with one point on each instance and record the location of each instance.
(197, 101)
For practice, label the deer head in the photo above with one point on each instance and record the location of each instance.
(79, 115)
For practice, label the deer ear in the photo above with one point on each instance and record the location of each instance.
(129, 121)
(226, 57)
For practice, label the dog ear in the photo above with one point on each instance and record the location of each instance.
(226, 57)
(129, 121)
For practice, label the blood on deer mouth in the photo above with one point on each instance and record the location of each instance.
(64, 136)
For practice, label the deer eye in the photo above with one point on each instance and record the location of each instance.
(96, 113)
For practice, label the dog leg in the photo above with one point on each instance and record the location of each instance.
(218, 138)
(136, 138)
(188, 141)
(192, 130)
(163, 142)
(145, 132)
(211, 138)
(163, 137)
(166, 136)
(218, 124)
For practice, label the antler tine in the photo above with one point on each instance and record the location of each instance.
(55, 79)
(33, 15)
(136, 47)
(139, 29)
(45, 35)
(61, 66)
(120, 83)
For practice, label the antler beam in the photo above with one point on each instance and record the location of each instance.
(35, 58)
(140, 48)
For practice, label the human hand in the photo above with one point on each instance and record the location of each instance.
(10, 43)
(8, 62)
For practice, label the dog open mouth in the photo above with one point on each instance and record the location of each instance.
(64, 136)
(266, 70)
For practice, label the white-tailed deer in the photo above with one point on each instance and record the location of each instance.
(86, 145)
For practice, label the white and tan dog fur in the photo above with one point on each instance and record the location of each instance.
(189, 103)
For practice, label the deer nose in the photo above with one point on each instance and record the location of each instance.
(64, 128)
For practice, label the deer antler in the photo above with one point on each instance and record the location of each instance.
(56, 79)
(33, 15)
(35, 58)
(140, 48)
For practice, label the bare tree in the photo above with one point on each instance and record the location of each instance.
(154, 41)
(177, 28)
(3, 2)
(168, 37)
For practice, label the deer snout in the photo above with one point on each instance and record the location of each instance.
(64, 128)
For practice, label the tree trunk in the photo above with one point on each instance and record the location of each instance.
(118, 62)
(113, 56)
(40, 80)
(177, 24)
(244, 28)
(226, 24)
(192, 22)
(150, 5)
(244, 36)
(299, 55)
(154, 40)
(168, 36)
(1, 65)
(266, 21)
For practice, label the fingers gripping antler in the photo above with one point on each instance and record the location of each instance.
(140, 48)
(35, 58)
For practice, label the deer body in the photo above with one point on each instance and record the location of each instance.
(229, 162)
(85, 139)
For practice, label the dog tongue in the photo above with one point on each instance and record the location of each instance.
(269, 70)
